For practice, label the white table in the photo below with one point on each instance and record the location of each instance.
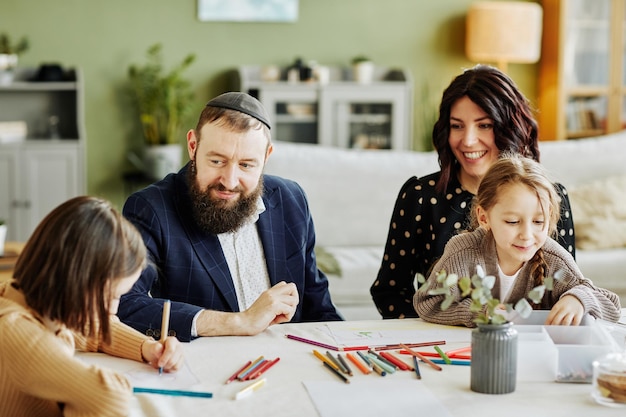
(213, 360)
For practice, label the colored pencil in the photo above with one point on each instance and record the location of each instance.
(357, 348)
(445, 357)
(334, 360)
(344, 364)
(382, 365)
(412, 345)
(172, 392)
(261, 369)
(234, 376)
(358, 364)
(403, 366)
(390, 365)
(417, 368)
(452, 362)
(311, 342)
(365, 358)
(247, 368)
(165, 324)
(336, 372)
(325, 345)
(422, 357)
(324, 359)
(243, 376)
(380, 371)
(461, 353)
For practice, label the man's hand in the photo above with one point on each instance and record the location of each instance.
(276, 305)
(167, 355)
(567, 311)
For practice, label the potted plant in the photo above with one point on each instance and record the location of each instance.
(362, 69)
(9, 52)
(494, 341)
(162, 100)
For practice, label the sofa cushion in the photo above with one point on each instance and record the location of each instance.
(600, 213)
(351, 192)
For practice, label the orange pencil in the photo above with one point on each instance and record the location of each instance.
(422, 357)
(358, 364)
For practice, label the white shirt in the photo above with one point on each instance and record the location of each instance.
(245, 257)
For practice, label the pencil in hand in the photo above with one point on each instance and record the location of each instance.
(165, 324)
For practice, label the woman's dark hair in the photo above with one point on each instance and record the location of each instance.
(71, 260)
(515, 129)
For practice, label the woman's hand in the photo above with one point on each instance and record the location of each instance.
(167, 355)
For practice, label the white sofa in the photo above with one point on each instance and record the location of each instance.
(352, 192)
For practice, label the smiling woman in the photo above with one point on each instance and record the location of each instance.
(482, 114)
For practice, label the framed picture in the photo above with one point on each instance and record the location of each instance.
(248, 10)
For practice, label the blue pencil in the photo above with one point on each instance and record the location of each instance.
(452, 362)
(172, 392)
(417, 368)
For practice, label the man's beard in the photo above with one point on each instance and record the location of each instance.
(215, 216)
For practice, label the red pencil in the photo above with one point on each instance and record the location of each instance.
(267, 365)
(234, 376)
(403, 366)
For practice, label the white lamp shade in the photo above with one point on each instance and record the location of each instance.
(504, 31)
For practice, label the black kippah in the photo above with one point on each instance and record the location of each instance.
(243, 103)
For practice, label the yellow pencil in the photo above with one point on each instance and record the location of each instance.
(165, 324)
(326, 360)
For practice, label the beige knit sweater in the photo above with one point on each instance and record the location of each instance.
(39, 375)
(467, 250)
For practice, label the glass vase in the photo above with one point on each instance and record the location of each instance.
(494, 359)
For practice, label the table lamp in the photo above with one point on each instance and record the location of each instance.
(503, 32)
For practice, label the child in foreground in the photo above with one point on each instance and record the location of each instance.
(64, 295)
(514, 213)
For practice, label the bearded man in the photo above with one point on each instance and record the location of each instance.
(231, 248)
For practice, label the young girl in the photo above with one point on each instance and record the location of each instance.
(66, 288)
(514, 213)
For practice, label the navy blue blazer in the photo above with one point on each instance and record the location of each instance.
(189, 267)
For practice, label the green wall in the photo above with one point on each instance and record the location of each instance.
(103, 37)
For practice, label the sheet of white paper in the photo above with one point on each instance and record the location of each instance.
(143, 375)
(370, 398)
(373, 336)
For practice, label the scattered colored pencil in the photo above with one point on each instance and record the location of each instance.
(234, 376)
(364, 369)
(336, 372)
(422, 357)
(261, 369)
(441, 353)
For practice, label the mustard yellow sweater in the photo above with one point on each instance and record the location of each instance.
(39, 375)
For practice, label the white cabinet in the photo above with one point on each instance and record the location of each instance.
(47, 167)
(342, 112)
(34, 179)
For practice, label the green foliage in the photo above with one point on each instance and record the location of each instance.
(10, 48)
(360, 58)
(162, 99)
(478, 288)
